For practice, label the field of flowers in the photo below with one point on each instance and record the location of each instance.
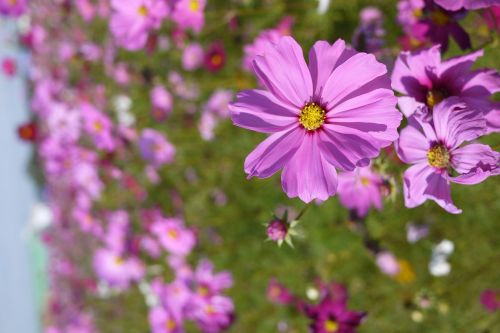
(266, 165)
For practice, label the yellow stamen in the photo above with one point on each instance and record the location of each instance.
(171, 325)
(331, 326)
(435, 96)
(438, 156)
(365, 181)
(216, 59)
(173, 233)
(119, 261)
(312, 116)
(194, 5)
(143, 11)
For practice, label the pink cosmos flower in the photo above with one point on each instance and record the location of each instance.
(426, 80)
(162, 321)
(189, 14)
(117, 270)
(360, 190)
(192, 56)
(162, 103)
(132, 20)
(173, 236)
(214, 314)
(278, 293)
(155, 148)
(207, 283)
(338, 112)
(467, 4)
(86, 9)
(64, 123)
(435, 149)
(98, 126)
(14, 8)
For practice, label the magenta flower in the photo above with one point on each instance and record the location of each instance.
(331, 315)
(426, 80)
(214, 314)
(424, 19)
(193, 56)
(215, 57)
(490, 299)
(189, 14)
(467, 4)
(435, 151)
(338, 112)
(132, 20)
(155, 148)
(387, 263)
(13, 8)
(360, 190)
(9, 66)
(173, 236)
(207, 283)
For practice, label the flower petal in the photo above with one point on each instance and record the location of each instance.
(412, 145)
(353, 74)
(308, 175)
(273, 153)
(347, 147)
(284, 72)
(475, 157)
(260, 111)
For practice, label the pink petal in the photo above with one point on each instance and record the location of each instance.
(350, 76)
(347, 147)
(438, 189)
(284, 72)
(260, 111)
(308, 175)
(474, 157)
(273, 153)
(412, 146)
(415, 184)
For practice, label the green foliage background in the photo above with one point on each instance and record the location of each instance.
(330, 250)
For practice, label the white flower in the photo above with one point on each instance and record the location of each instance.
(323, 6)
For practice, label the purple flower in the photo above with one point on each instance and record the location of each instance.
(467, 4)
(425, 19)
(426, 80)
(155, 148)
(360, 189)
(368, 36)
(338, 112)
(435, 151)
(188, 14)
(193, 56)
(14, 8)
(490, 299)
(132, 20)
(207, 283)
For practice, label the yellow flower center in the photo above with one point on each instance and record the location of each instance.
(194, 5)
(417, 12)
(119, 261)
(172, 233)
(98, 127)
(435, 96)
(170, 324)
(365, 181)
(312, 116)
(143, 11)
(438, 156)
(439, 17)
(331, 326)
(203, 291)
